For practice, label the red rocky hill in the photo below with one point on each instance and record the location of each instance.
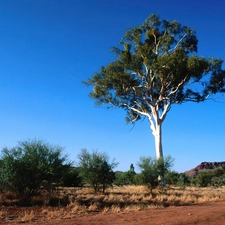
(204, 166)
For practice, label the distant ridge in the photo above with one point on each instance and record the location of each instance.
(204, 166)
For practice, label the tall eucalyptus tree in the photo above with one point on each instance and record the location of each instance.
(157, 67)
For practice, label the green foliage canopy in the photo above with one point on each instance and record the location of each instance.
(96, 170)
(153, 170)
(30, 163)
(156, 67)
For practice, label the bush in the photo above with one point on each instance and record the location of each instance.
(175, 178)
(96, 170)
(215, 177)
(72, 178)
(163, 164)
(172, 177)
(130, 174)
(149, 172)
(138, 179)
(220, 181)
(120, 178)
(152, 170)
(24, 167)
(204, 178)
(125, 178)
(183, 180)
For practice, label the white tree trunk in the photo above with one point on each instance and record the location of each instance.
(157, 132)
(158, 140)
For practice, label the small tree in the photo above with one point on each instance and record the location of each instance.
(96, 170)
(152, 170)
(27, 165)
(149, 172)
(163, 165)
(130, 175)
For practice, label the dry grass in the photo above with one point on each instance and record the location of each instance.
(115, 209)
(76, 208)
(135, 198)
(105, 210)
(3, 213)
(67, 202)
(26, 217)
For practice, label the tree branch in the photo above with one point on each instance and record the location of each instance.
(178, 86)
(166, 109)
(178, 43)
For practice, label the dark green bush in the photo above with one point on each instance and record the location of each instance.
(204, 178)
(183, 180)
(153, 171)
(120, 178)
(72, 178)
(125, 178)
(96, 170)
(25, 167)
(214, 177)
(172, 177)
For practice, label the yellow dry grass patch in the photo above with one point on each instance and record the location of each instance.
(26, 217)
(3, 213)
(115, 200)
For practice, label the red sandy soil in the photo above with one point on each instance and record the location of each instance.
(212, 213)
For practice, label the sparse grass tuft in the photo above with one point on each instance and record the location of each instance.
(115, 209)
(26, 217)
(93, 207)
(105, 210)
(3, 213)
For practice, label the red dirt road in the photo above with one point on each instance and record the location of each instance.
(212, 213)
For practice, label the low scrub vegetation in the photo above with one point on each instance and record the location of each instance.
(68, 202)
(32, 165)
(35, 166)
(37, 174)
(96, 170)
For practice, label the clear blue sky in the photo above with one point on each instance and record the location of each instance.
(47, 47)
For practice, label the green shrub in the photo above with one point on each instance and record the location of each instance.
(125, 178)
(96, 170)
(149, 172)
(72, 178)
(214, 177)
(120, 178)
(204, 178)
(183, 180)
(25, 167)
(172, 177)
(138, 179)
(153, 171)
